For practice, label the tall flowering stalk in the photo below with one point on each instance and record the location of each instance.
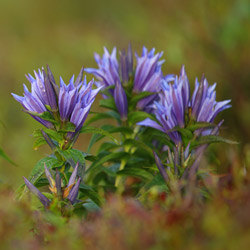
(63, 111)
(62, 108)
(131, 85)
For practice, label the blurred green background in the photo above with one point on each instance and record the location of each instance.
(210, 37)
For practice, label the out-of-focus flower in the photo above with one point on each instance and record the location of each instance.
(71, 103)
(176, 108)
(147, 75)
(69, 192)
(44, 200)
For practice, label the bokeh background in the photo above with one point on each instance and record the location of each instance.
(210, 37)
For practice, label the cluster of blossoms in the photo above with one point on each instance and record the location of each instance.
(64, 108)
(176, 107)
(69, 103)
(69, 192)
(146, 76)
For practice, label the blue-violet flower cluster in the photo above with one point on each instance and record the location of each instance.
(176, 108)
(147, 75)
(69, 103)
(69, 192)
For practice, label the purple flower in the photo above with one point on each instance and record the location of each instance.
(108, 72)
(75, 101)
(42, 94)
(121, 100)
(176, 108)
(71, 103)
(203, 104)
(43, 199)
(147, 75)
(70, 192)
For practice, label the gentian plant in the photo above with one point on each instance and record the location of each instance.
(62, 110)
(131, 86)
(187, 121)
(162, 131)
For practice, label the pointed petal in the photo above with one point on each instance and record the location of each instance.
(150, 123)
(74, 192)
(44, 200)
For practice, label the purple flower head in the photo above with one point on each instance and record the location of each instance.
(147, 75)
(204, 107)
(80, 107)
(69, 192)
(71, 103)
(173, 108)
(42, 93)
(108, 71)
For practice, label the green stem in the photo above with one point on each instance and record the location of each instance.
(118, 180)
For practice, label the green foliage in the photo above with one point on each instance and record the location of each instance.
(6, 157)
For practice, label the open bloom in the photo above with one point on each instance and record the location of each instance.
(176, 108)
(147, 75)
(69, 192)
(71, 103)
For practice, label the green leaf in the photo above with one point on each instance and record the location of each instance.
(151, 134)
(187, 134)
(112, 157)
(39, 142)
(90, 193)
(47, 116)
(38, 171)
(136, 172)
(123, 130)
(72, 156)
(156, 181)
(139, 145)
(100, 116)
(108, 103)
(70, 127)
(95, 138)
(199, 125)
(93, 130)
(137, 116)
(107, 146)
(6, 157)
(51, 132)
(207, 139)
(140, 96)
(42, 182)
